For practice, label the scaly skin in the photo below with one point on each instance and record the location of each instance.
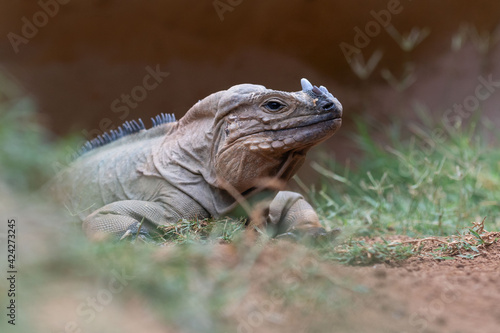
(222, 151)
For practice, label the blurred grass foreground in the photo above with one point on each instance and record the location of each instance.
(207, 277)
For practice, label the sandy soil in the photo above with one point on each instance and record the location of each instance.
(428, 295)
(421, 294)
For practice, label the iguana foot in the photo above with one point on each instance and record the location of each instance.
(290, 213)
(129, 219)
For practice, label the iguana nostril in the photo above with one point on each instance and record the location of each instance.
(328, 106)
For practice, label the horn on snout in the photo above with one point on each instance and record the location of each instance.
(306, 85)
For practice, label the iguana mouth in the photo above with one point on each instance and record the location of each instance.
(321, 118)
(284, 137)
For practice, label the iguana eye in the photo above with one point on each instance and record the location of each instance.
(274, 105)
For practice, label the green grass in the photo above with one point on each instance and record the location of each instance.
(203, 231)
(414, 185)
(361, 253)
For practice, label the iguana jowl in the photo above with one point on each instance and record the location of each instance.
(199, 166)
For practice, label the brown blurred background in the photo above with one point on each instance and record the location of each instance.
(83, 55)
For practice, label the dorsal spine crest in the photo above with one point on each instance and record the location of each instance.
(127, 128)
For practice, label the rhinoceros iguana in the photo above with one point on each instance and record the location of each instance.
(132, 180)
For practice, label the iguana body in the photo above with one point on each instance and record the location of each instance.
(200, 166)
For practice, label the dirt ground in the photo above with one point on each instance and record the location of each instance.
(420, 294)
(307, 294)
(428, 295)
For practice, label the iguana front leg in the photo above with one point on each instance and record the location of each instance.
(117, 218)
(290, 213)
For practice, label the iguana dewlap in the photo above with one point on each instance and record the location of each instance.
(201, 165)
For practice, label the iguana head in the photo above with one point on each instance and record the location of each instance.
(261, 133)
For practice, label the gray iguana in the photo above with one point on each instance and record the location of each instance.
(134, 179)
